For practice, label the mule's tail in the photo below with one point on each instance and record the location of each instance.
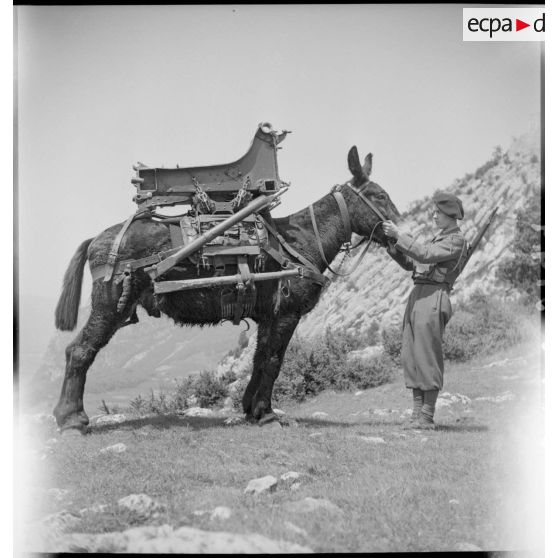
(68, 304)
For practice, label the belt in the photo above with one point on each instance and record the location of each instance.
(430, 282)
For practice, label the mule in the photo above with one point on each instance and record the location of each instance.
(367, 203)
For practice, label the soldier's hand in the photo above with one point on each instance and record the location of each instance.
(390, 229)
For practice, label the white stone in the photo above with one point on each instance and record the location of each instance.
(381, 412)
(454, 502)
(279, 412)
(263, 484)
(111, 419)
(140, 504)
(220, 513)
(357, 393)
(116, 448)
(319, 414)
(315, 434)
(372, 439)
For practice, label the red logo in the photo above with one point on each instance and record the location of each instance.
(519, 25)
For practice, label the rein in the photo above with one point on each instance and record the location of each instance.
(347, 226)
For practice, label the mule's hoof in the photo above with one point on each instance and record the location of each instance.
(267, 418)
(248, 417)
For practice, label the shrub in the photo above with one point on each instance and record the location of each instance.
(522, 270)
(321, 363)
(485, 325)
(209, 389)
(391, 342)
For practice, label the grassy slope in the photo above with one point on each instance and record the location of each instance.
(394, 496)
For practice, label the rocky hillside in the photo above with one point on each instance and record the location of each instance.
(378, 290)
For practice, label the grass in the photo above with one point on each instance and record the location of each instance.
(395, 496)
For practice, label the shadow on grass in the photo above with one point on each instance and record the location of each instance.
(165, 422)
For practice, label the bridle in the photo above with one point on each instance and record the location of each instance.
(338, 196)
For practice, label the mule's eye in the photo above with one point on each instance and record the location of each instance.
(381, 196)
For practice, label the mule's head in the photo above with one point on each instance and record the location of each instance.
(368, 203)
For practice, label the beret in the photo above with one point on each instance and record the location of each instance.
(449, 204)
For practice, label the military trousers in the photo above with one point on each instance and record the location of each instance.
(427, 313)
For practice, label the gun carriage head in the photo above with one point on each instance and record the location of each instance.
(212, 189)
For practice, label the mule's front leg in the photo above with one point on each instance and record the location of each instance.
(80, 354)
(270, 358)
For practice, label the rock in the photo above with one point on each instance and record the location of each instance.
(454, 502)
(188, 540)
(315, 434)
(295, 486)
(319, 415)
(263, 484)
(111, 419)
(424, 440)
(116, 448)
(61, 522)
(466, 547)
(357, 393)
(381, 412)
(443, 403)
(447, 398)
(198, 412)
(141, 505)
(279, 412)
(290, 476)
(309, 505)
(372, 439)
(221, 513)
(295, 529)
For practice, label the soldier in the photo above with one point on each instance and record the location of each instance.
(435, 267)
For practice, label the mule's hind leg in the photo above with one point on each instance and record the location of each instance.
(80, 354)
(270, 351)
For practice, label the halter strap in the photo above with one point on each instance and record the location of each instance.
(358, 192)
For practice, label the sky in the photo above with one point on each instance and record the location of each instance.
(101, 87)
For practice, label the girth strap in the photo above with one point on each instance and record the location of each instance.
(312, 271)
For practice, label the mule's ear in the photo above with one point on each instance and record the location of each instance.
(367, 167)
(354, 163)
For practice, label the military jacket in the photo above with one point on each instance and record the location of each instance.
(439, 261)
